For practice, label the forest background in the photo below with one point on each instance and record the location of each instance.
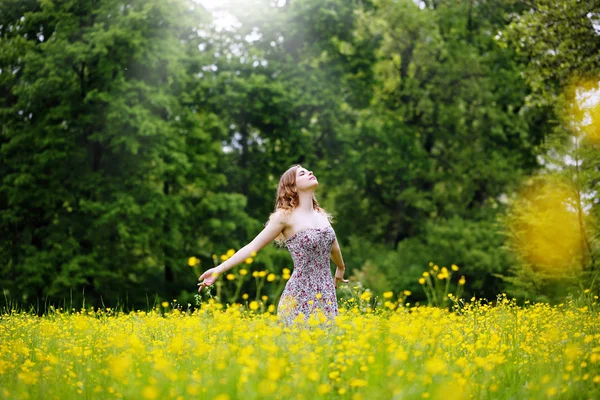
(137, 134)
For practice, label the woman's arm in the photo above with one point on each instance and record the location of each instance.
(274, 227)
(336, 255)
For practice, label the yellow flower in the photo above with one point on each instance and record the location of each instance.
(271, 277)
(243, 271)
(422, 281)
(164, 304)
(255, 274)
(454, 267)
(214, 256)
(230, 252)
(387, 295)
(441, 276)
(224, 257)
(254, 305)
(319, 295)
(435, 267)
(434, 366)
(264, 297)
(230, 277)
(193, 261)
(150, 392)
(407, 292)
(461, 280)
(253, 254)
(323, 388)
(444, 270)
(425, 274)
(262, 274)
(245, 296)
(249, 260)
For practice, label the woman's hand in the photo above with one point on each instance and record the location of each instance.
(339, 276)
(209, 276)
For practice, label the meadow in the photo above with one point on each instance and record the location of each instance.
(398, 351)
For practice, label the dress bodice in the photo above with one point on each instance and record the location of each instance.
(311, 287)
(311, 247)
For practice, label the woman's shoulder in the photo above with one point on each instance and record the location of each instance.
(280, 215)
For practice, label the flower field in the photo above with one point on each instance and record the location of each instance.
(479, 351)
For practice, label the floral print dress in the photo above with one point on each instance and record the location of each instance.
(310, 289)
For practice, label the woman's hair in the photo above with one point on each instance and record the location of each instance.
(287, 199)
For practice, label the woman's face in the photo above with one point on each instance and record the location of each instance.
(305, 179)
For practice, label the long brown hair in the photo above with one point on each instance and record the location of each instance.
(287, 199)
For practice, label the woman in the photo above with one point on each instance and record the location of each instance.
(311, 241)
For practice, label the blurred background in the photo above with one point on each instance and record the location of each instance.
(137, 134)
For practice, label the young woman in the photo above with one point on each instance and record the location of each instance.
(304, 228)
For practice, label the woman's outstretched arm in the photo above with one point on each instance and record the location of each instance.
(274, 227)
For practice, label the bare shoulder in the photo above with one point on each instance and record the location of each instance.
(280, 217)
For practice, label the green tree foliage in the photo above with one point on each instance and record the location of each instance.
(560, 41)
(108, 169)
(135, 135)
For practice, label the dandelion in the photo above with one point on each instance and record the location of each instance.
(243, 271)
(230, 277)
(271, 277)
(454, 267)
(407, 292)
(249, 260)
(254, 305)
(422, 281)
(164, 304)
(319, 295)
(387, 295)
(230, 252)
(462, 280)
(224, 257)
(193, 261)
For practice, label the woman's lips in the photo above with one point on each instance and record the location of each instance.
(312, 178)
